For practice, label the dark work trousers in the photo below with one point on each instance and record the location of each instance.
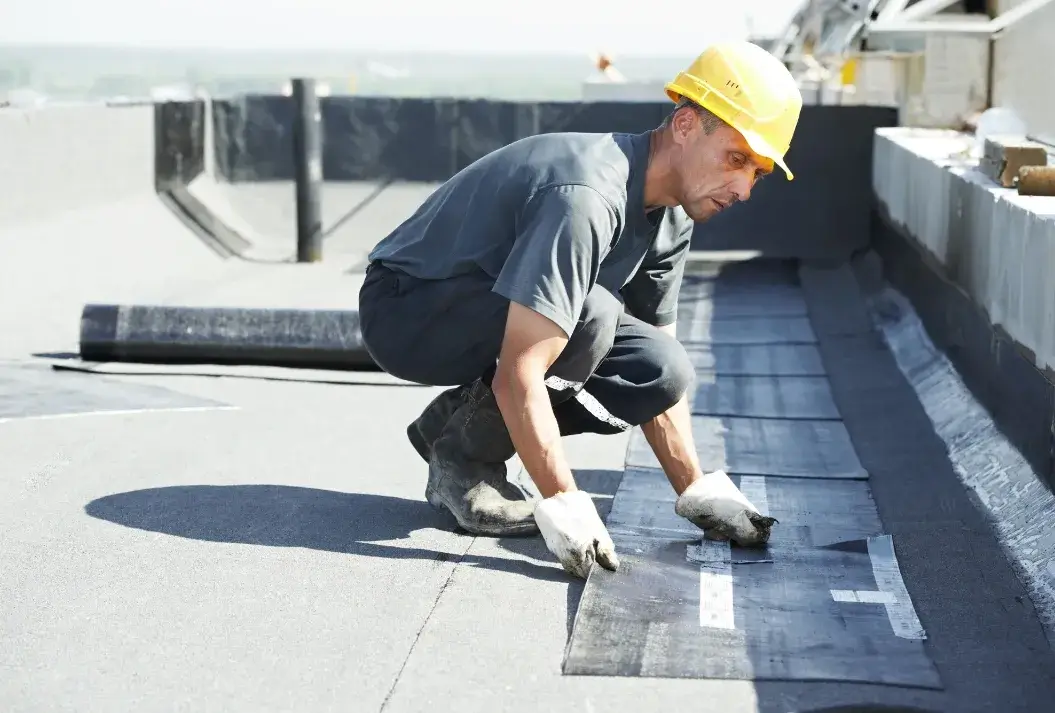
(616, 371)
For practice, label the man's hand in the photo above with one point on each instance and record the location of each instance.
(574, 533)
(710, 501)
(716, 506)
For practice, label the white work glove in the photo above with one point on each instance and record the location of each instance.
(715, 505)
(574, 533)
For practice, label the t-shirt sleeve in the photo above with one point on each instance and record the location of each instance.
(563, 234)
(652, 293)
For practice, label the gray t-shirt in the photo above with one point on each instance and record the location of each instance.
(548, 217)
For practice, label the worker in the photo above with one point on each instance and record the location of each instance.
(540, 283)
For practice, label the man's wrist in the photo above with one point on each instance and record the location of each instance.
(562, 487)
(683, 482)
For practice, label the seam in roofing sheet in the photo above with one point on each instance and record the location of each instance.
(1018, 504)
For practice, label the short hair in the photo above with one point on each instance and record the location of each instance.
(711, 122)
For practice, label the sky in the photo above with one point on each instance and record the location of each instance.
(655, 27)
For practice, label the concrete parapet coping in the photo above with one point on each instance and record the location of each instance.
(996, 245)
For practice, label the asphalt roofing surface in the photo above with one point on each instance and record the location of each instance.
(266, 545)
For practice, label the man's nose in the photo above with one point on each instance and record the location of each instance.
(743, 185)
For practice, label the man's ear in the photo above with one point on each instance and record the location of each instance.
(683, 123)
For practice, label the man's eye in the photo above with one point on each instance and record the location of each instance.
(739, 160)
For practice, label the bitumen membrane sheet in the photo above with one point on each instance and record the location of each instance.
(822, 602)
(32, 390)
(238, 538)
(869, 560)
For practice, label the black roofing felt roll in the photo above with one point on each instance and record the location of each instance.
(328, 339)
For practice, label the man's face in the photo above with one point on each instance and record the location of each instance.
(714, 170)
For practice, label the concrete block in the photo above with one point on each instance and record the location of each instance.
(1005, 155)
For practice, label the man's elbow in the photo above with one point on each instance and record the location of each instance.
(519, 388)
(511, 385)
(502, 386)
(532, 343)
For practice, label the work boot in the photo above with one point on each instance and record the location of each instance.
(426, 428)
(424, 431)
(467, 471)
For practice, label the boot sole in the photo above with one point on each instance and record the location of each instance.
(437, 502)
(417, 440)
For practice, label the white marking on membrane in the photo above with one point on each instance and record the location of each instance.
(887, 573)
(861, 596)
(716, 565)
(124, 412)
(718, 256)
(647, 531)
(716, 584)
(891, 594)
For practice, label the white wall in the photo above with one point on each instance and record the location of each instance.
(1022, 76)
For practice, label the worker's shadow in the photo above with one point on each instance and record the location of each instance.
(330, 521)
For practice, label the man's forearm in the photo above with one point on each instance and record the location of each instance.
(528, 414)
(670, 436)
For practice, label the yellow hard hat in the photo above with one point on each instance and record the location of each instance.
(749, 89)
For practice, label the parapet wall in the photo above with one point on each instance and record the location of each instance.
(59, 159)
(822, 214)
(995, 244)
(977, 262)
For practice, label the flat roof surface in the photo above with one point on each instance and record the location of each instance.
(268, 546)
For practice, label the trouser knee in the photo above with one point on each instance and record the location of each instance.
(592, 338)
(678, 371)
(646, 373)
(674, 374)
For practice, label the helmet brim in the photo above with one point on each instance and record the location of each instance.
(763, 148)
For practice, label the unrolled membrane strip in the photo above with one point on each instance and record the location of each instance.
(776, 397)
(825, 601)
(756, 359)
(790, 448)
(32, 390)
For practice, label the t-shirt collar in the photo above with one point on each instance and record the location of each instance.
(635, 190)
